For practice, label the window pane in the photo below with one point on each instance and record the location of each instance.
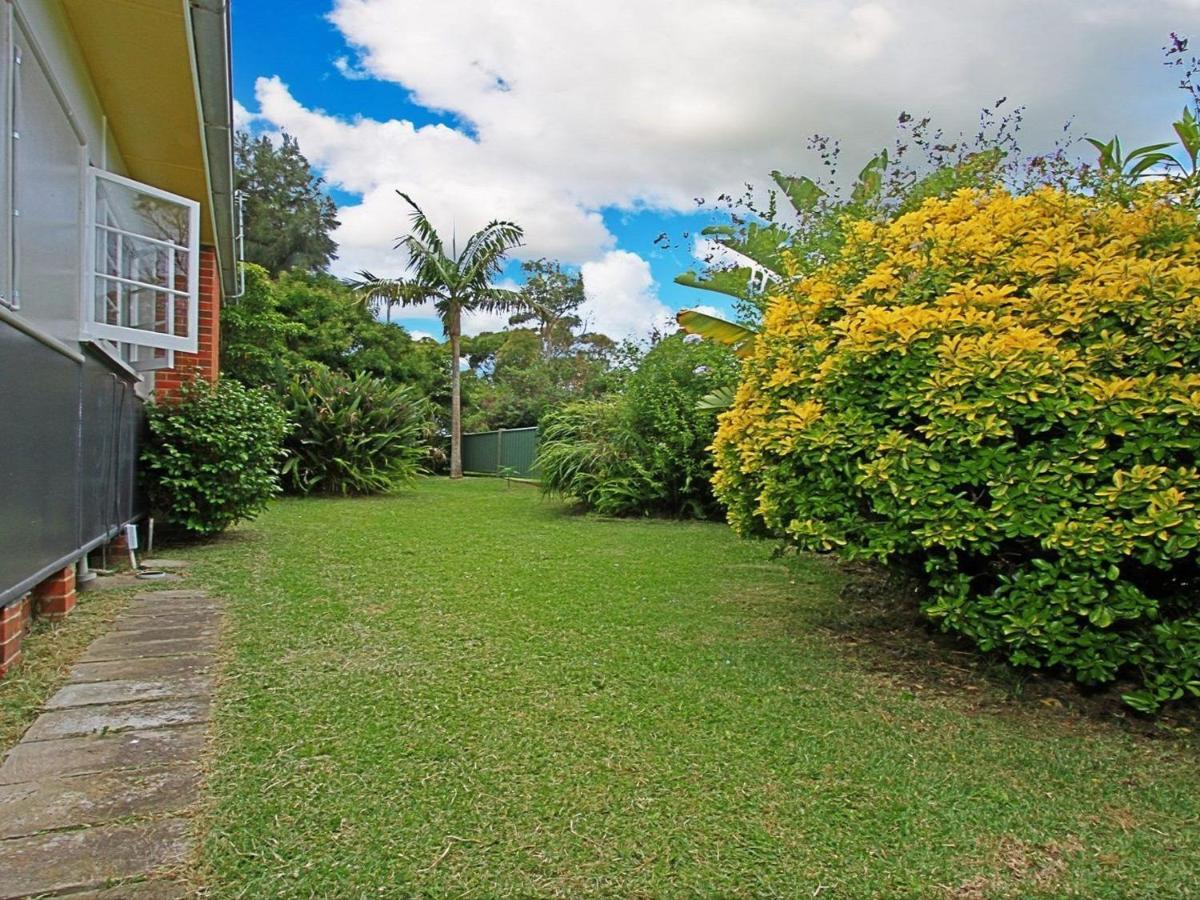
(149, 262)
(146, 309)
(109, 302)
(182, 268)
(123, 207)
(151, 310)
(146, 250)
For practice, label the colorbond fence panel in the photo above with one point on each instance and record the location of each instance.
(493, 452)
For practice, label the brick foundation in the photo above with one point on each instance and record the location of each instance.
(54, 598)
(118, 547)
(14, 623)
(117, 552)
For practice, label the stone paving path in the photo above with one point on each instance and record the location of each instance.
(95, 800)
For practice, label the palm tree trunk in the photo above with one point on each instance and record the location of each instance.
(455, 396)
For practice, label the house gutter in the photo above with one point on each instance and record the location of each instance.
(209, 37)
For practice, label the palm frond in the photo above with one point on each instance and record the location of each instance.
(496, 300)
(428, 265)
(422, 227)
(718, 400)
(485, 249)
(378, 293)
(526, 314)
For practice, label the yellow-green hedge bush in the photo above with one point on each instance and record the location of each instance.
(1006, 390)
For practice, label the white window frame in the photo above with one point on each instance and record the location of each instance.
(139, 336)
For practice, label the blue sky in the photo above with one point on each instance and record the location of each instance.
(302, 51)
(596, 125)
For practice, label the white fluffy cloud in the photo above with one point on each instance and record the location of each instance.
(621, 301)
(242, 117)
(574, 107)
(457, 181)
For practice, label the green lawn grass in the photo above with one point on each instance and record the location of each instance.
(467, 690)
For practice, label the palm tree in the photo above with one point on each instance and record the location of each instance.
(455, 283)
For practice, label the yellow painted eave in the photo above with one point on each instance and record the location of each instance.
(138, 53)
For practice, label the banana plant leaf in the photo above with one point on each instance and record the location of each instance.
(763, 244)
(733, 282)
(870, 179)
(802, 192)
(737, 337)
(719, 400)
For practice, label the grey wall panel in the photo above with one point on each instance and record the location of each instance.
(111, 416)
(69, 438)
(39, 500)
(132, 420)
(97, 470)
(48, 183)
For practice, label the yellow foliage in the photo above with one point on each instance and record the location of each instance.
(1009, 380)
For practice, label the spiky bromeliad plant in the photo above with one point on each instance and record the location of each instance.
(455, 283)
(352, 435)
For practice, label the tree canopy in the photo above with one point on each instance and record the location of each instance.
(288, 218)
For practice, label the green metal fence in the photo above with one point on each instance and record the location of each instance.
(492, 452)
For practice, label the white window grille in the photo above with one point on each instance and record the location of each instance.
(144, 247)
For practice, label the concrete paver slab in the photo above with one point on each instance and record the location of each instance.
(145, 667)
(129, 690)
(55, 803)
(29, 761)
(173, 594)
(167, 618)
(61, 861)
(112, 647)
(152, 631)
(155, 608)
(111, 717)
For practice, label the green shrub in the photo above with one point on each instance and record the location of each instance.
(644, 451)
(212, 455)
(255, 334)
(353, 435)
(1002, 390)
(587, 452)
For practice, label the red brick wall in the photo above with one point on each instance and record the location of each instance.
(206, 362)
(14, 622)
(53, 598)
